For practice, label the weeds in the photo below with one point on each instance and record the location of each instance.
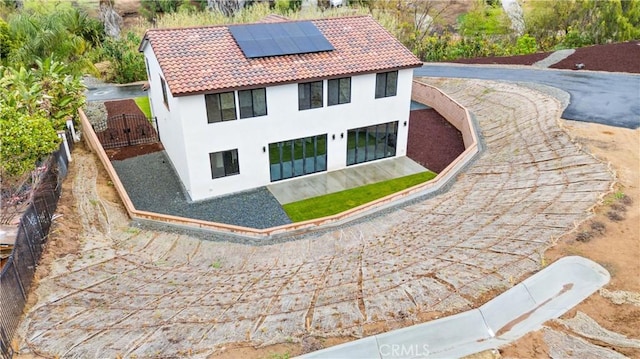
(285, 355)
(584, 236)
(626, 200)
(615, 216)
(618, 207)
(598, 227)
(132, 230)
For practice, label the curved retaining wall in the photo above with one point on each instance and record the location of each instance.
(452, 111)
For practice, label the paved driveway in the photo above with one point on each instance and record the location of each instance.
(607, 98)
(142, 293)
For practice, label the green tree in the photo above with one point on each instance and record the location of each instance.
(6, 43)
(62, 93)
(485, 19)
(151, 8)
(128, 64)
(48, 90)
(574, 23)
(526, 44)
(57, 30)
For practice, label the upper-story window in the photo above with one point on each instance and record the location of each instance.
(386, 84)
(165, 98)
(220, 107)
(252, 102)
(339, 91)
(310, 95)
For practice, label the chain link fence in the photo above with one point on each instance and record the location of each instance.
(19, 270)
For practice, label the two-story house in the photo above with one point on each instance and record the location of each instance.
(242, 106)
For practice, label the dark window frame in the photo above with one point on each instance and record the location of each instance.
(215, 111)
(165, 97)
(372, 142)
(254, 110)
(310, 152)
(334, 94)
(310, 95)
(386, 85)
(229, 166)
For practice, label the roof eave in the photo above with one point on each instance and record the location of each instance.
(301, 80)
(143, 43)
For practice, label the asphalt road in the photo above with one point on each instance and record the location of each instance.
(608, 98)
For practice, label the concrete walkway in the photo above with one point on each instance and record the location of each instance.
(546, 295)
(554, 58)
(323, 183)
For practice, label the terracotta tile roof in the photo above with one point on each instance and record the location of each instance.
(207, 59)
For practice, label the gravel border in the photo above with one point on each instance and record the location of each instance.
(154, 186)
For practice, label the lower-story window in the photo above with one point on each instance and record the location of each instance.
(372, 142)
(224, 163)
(298, 157)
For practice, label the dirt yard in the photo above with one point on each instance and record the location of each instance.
(611, 237)
(117, 269)
(616, 246)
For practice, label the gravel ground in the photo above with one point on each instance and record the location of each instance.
(153, 186)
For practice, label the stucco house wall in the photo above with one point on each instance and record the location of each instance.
(189, 139)
(169, 119)
(283, 122)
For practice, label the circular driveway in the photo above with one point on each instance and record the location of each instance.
(144, 293)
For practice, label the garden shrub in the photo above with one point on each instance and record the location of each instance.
(526, 44)
(26, 139)
(128, 64)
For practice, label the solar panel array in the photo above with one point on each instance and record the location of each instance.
(276, 39)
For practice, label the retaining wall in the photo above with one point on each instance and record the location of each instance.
(452, 111)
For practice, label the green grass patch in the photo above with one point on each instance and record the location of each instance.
(337, 202)
(143, 104)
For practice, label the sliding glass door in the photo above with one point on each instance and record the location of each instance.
(298, 157)
(371, 143)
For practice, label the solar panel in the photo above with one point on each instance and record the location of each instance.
(276, 39)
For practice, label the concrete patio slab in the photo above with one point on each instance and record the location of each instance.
(297, 189)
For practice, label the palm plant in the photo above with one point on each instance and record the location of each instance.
(65, 33)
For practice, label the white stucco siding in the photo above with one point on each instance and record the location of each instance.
(169, 122)
(205, 138)
(284, 122)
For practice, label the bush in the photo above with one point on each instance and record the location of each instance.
(6, 44)
(26, 139)
(48, 90)
(128, 64)
(53, 30)
(526, 44)
(485, 20)
(575, 38)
